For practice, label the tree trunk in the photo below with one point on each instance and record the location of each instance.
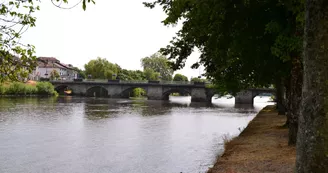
(296, 81)
(280, 97)
(312, 138)
(288, 101)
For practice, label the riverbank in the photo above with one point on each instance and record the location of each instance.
(261, 147)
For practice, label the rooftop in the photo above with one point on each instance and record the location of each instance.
(51, 62)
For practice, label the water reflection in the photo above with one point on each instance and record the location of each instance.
(75, 134)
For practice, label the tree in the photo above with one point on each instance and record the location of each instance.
(124, 74)
(180, 77)
(150, 74)
(54, 75)
(312, 139)
(158, 63)
(100, 68)
(243, 44)
(226, 44)
(17, 59)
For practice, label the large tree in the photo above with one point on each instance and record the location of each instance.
(243, 44)
(158, 63)
(234, 48)
(17, 59)
(100, 68)
(312, 143)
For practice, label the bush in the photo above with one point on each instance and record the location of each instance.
(138, 92)
(30, 90)
(195, 79)
(16, 88)
(3, 89)
(45, 88)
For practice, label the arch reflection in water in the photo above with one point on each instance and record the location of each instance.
(100, 108)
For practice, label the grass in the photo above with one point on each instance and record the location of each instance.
(261, 147)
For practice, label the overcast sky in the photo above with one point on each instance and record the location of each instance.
(122, 31)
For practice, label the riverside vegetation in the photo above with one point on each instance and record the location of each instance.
(26, 89)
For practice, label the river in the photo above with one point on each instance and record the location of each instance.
(84, 135)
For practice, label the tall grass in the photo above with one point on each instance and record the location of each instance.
(21, 89)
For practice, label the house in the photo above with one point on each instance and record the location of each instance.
(45, 65)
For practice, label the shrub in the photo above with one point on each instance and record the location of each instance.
(16, 88)
(45, 88)
(195, 79)
(138, 92)
(30, 90)
(3, 89)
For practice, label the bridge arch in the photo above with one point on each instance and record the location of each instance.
(64, 90)
(181, 91)
(261, 93)
(126, 93)
(97, 91)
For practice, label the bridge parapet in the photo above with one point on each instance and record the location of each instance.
(131, 81)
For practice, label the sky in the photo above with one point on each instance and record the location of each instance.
(122, 31)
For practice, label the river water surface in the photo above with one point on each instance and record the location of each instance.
(84, 135)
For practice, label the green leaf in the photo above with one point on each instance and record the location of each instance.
(84, 6)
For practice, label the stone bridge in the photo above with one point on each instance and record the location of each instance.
(154, 90)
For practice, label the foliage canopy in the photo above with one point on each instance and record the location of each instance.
(243, 44)
(180, 77)
(157, 63)
(17, 59)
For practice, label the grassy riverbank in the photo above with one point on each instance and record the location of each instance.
(26, 89)
(261, 147)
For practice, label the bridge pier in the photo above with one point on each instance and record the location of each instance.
(155, 93)
(114, 92)
(198, 95)
(244, 97)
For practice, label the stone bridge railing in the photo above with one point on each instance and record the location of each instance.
(134, 81)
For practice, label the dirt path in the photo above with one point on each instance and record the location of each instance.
(262, 147)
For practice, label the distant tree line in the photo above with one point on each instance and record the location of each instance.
(155, 67)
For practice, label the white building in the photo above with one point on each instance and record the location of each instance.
(45, 65)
